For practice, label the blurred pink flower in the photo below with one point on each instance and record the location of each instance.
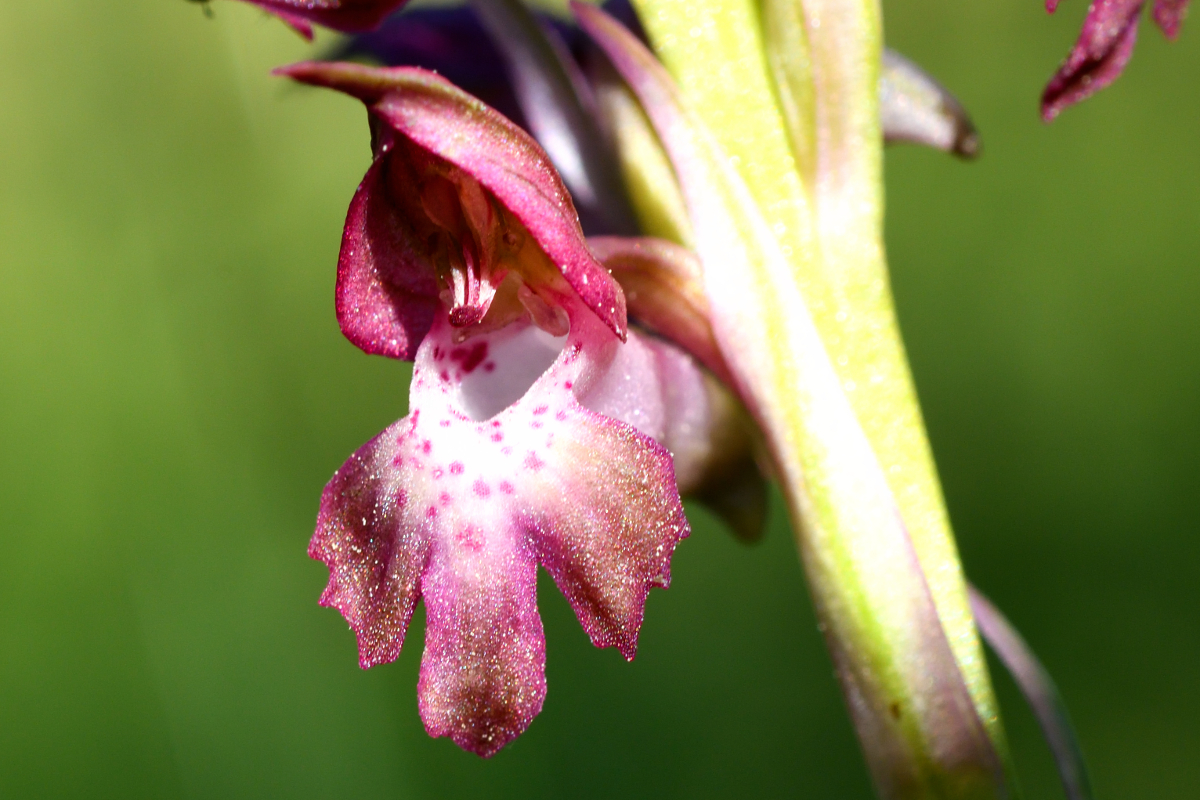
(1104, 47)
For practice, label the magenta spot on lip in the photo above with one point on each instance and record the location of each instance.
(401, 499)
(445, 376)
(481, 489)
(495, 423)
(437, 473)
(533, 462)
(541, 409)
(445, 423)
(398, 461)
(535, 424)
(456, 468)
(506, 450)
(489, 366)
(470, 357)
(469, 536)
(438, 355)
(426, 446)
(567, 384)
(497, 436)
(432, 512)
(561, 416)
(506, 487)
(444, 498)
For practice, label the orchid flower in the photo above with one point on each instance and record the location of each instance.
(1104, 47)
(544, 429)
(541, 429)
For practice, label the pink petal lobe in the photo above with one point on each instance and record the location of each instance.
(1098, 58)
(712, 442)
(497, 467)
(374, 545)
(607, 516)
(386, 292)
(483, 676)
(1169, 14)
(432, 113)
(350, 16)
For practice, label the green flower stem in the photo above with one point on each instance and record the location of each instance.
(817, 182)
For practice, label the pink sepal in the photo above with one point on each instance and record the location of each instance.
(386, 292)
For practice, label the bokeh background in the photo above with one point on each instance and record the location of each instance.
(174, 392)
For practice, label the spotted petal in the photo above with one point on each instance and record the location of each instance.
(515, 452)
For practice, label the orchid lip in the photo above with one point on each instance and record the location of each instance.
(499, 370)
(509, 458)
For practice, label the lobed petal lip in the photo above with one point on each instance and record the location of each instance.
(435, 115)
(458, 508)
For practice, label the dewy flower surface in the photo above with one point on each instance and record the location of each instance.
(537, 422)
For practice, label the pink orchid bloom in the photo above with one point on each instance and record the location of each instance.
(350, 16)
(541, 429)
(1104, 47)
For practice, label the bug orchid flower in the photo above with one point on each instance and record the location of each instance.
(545, 430)
(540, 428)
(1104, 47)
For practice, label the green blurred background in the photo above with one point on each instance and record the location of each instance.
(174, 392)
